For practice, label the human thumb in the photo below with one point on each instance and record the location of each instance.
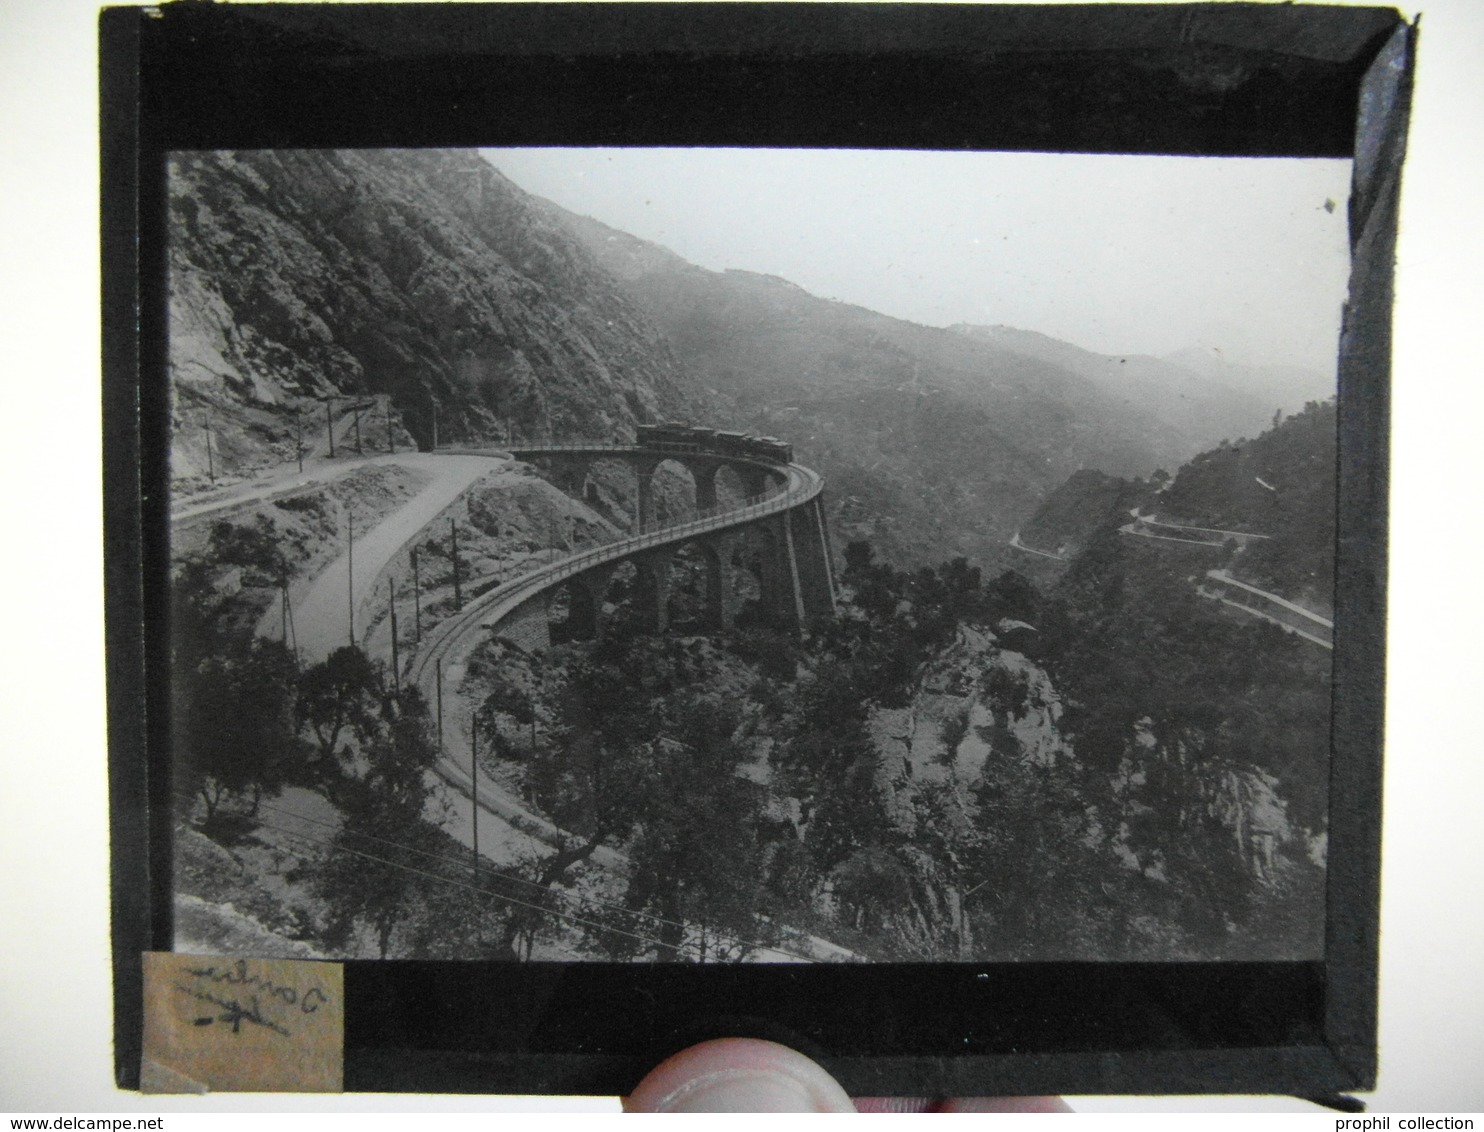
(738, 1075)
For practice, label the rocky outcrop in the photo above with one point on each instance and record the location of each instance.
(422, 276)
(974, 701)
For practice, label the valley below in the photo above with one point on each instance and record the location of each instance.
(997, 722)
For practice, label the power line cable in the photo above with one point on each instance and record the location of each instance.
(678, 948)
(565, 895)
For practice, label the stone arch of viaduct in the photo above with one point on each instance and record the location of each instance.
(778, 533)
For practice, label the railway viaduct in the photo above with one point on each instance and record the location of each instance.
(778, 532)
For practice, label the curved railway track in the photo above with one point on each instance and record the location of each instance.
(448, 645)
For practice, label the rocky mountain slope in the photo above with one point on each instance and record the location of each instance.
(1081, 506)
(1205, 403)
(1280, 485)
(935, 442)
(424, 276)
(427, 283)
(956, 766)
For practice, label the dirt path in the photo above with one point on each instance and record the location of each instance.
(322, 610)
(322, 607)
(280, 485)
(324, 620)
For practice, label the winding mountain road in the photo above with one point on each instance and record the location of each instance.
(1140, 528)
(448, 645)
(1018, 545)
(321, 611)
(282, 482)
(1269, 607)
(323, 621)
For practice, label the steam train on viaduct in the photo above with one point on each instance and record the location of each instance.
(671, 436)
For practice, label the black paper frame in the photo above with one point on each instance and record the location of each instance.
(1321, 81)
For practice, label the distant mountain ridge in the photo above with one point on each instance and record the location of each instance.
(936, 442)
(423, 275)
(1280, 485)
(427, 278)
(1206, 398)
(1288, 388)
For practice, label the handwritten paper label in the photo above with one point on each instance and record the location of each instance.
(242, 1025)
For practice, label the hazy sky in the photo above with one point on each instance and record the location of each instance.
(1116, 254)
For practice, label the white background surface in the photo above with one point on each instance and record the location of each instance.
(55, 1008)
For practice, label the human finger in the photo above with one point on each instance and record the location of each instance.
(738, 1075)
(961, 1104)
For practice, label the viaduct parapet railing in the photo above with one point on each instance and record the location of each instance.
(571, 460)
(789, 512)
(793, 556)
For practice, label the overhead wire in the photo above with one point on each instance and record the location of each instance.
(457, 625)
(566, 895)
(678, 948)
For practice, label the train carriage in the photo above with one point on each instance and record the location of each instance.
(675, 436)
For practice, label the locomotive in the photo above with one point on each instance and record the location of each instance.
(672, 436)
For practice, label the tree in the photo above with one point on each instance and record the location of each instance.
(874, 888)
(237, 726)
(641, 760)
(962, 582)
(951, 733)
(828, 764)
(255, 547)
(699, 860)
(859, 557)
(592, 774)
(378, 865)
(1034, 875)
(341, 694)
(512, 700)
(1011, 595)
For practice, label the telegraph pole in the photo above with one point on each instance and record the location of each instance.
(288, 606)
(438, 695)
(299, 437)
(417, 603)
(453, 534)
(350, 575)
(330, 426)
(474, 788)
(392, 606)
(210, 462)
